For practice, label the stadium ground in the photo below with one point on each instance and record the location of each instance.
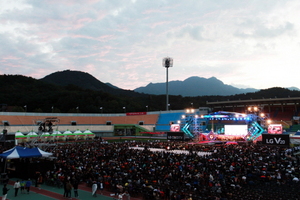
(50, 192)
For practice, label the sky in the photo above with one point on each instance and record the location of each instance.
(253, 43)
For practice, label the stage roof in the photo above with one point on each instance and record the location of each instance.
(269, 101)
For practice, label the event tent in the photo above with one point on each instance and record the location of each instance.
(78, 133)
(58, 135)
(24, 152)
(20, 137)
(88, 134)
(32, 135)
(45, 136)
(68, 134)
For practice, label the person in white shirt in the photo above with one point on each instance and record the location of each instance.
(101, 187)
(94, 189)
(17, 185)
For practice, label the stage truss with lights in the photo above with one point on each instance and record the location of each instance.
(237, 126)
(43, 128)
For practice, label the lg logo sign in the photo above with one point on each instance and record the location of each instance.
(275, 139)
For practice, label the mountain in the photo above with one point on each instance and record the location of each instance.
(194, 86)
(86, 81)
(58, 92)
(73, 91)
(111, 85)
(293, 88)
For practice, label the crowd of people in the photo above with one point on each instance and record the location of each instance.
(244, 171)
(238, 171)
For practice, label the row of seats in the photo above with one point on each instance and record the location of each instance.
(80, 120)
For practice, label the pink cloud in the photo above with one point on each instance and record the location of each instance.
(71, 2)
(125, 54)
(158, 24)
(101, 38)
(153, 11)
(11, 65)
(10, 57)
(89, 67)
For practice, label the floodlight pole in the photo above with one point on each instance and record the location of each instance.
(167, 62)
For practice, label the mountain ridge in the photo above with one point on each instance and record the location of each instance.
(194, 86)
(191, 87)
(71, 92)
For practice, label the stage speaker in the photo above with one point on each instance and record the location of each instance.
(141, 123)
(108, 122)
(73, 123)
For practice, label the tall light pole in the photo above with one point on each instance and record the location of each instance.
(167, 62)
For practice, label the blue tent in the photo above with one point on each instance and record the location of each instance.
(24, 152)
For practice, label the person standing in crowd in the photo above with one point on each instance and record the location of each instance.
(40, 181)
(101, 187)
(120, 196)
(22, 184)
(4, 192)
(65, 188)
(126, 195)
(28, 185)
(37, 175)
(94, 189)
(75, 186)
(6, 179)
(17, 186)
(68, 189)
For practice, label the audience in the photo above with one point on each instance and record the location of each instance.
(244, 171)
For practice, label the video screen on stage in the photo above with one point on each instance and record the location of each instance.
(237, 130)
(175, 128)
(275, 129)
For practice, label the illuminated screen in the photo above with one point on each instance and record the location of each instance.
(175, 128)
(238, 130)
(275, 128)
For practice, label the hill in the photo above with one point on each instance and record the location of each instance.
(85, 81)
(25, 94)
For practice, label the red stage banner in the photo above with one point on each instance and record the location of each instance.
(136, 113)
(152, 132)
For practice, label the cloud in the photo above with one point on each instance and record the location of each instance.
(124, 42)
(266, 32)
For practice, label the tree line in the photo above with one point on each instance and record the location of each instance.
(26, 94)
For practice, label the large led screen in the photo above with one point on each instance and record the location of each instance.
(275, 129)
(237, 130)
(175, 128)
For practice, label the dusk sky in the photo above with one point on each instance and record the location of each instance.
(253, 43)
